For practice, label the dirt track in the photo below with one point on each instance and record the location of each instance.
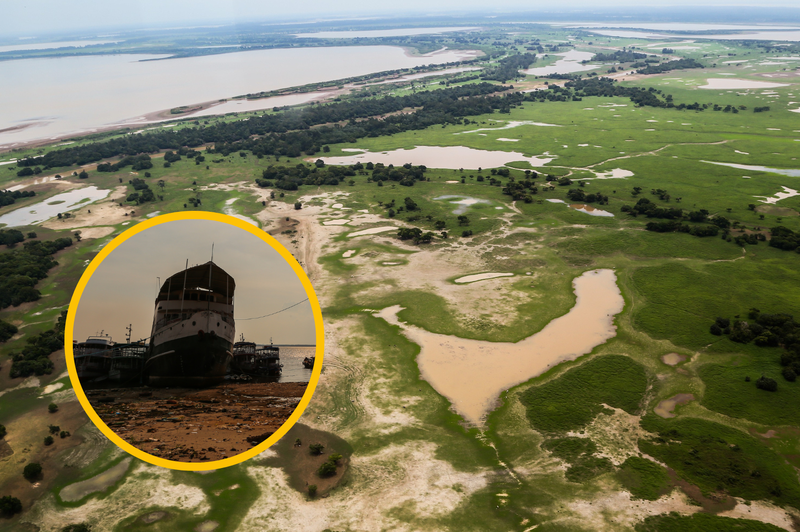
(190, 425)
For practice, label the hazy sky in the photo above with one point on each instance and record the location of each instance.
(123, 288)
(36, 17)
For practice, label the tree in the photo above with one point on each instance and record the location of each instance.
(48, 440)
(52, 408)
(10, 505)
(335, 457)
(54, 429)
(328, 469)
(440, 224)
(161, 184)
(312, 489)
(463, 220)
(411, 205)
(77, 235)
(316, 448)
(298, 205)
(3, 431)
(32, 471)
(83, 175)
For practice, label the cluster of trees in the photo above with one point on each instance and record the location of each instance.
(784, 238)
(8, 198)
(519, 190)
(137, 162)
(672, 226)
(9, 506)
(291, 178)
(34, 359)
(766, 330)
(288, 133)
(674, 216)
(415, 234)
(405, 175)
(21, 269)
(761, 109)
(645, 207)
(28, 171)
(607, 87)
(10, 237)
(620, 56)
(678, 64)
(328, 468)
(576, 194)
(142, 192)
(7, 330)
(509, 67)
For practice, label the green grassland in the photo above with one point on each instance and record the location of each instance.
(536, 448)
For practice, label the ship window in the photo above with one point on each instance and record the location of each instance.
(217, 324)
(194, 323)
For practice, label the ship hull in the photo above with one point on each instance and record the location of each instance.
(191, 361)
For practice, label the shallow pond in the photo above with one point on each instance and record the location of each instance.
(448, 157)
(472, 374)
(44, 210)
(462, 201)
(79, 490)
(481, 277)
(753, 168)
(587, 209)
(570, 63)
(666, 407)
(733, 83)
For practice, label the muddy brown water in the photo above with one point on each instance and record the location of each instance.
(673, 359)
(472, 374)
(666, 407)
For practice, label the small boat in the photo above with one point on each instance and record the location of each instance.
(251, 359)
(308, 362)
(93, 358)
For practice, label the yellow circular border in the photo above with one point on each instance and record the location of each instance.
(318, 326)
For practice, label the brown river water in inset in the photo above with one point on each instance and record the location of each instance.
(473, 373)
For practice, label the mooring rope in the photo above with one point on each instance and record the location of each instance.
(272, 314)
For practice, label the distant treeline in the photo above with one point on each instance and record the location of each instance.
(21, 269)
(620, 56)
(34, 359)
(8, 198)
(291, 178)
(509, 67)
(288, 133)
(678, 64)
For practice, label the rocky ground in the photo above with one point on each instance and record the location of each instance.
(190, 425)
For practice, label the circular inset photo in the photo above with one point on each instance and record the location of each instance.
(194, 340)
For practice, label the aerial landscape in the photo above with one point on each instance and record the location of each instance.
(556, 254)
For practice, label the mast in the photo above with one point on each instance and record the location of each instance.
(183, 293)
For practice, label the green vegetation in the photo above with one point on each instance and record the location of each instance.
(643, 478)
(701, 522)
(579, 453)
(7, 330)
(52, 408)
(21, 269)
(717, 459)
(34, 359)
(572, 400)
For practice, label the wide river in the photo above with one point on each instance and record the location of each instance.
(51, 97)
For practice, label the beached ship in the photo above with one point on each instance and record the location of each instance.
(308, 362)
(252, 359)
(127, 363)
(193, 329)
(93, 358)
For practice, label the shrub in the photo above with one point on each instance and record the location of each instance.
(54, 429)
(32, 471)
(789, 374)
(48, 440)
(52, 408)
(765, 383)
(316, 448)
(3, 431)
(64, 434)
(298, 206)
(312, 490)
(335, 457)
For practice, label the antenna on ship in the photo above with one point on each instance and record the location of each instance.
(129, 328)
(212, 252)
